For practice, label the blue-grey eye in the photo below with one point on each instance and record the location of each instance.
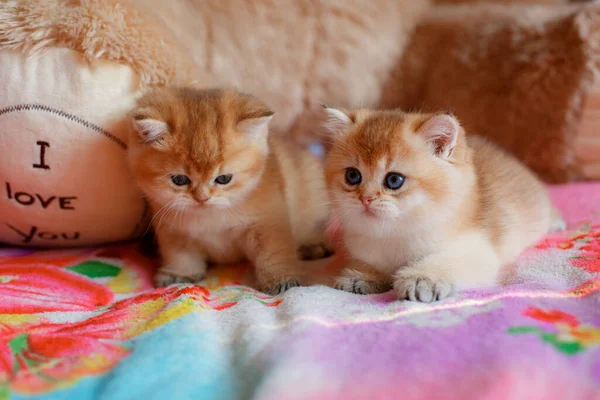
(394, 180)
(223, 179)
(353, 176)
(180, 180)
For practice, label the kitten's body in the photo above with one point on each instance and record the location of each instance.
(273, 205)
(465, 209)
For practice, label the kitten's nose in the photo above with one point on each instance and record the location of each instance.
(203, 200)
(366, 200)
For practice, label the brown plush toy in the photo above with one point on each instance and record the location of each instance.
(522, 75)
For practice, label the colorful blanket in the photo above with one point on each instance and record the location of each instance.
(86, 324)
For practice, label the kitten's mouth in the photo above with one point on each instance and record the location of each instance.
(369, 213)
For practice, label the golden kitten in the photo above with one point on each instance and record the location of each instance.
(423, 209)
(221, 190)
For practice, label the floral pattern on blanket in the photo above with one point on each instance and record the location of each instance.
(586, 240)
(565, 332)
(70, 315)
(47, 343)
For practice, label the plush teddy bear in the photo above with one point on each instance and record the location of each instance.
(69, 74)
(71, 70)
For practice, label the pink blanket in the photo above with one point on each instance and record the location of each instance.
(86, 324)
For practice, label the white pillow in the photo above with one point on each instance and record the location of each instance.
(64, 179)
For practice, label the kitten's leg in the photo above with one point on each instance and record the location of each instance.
(316, 248)
(363, 279)
(311, 236)
(272, 250)
(468, 261)
(310, 213)
(180, 266)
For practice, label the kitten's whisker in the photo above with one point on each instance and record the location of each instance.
(158, 212)
(235, 211)
(172, 204)
(341, 218)
(180, 214)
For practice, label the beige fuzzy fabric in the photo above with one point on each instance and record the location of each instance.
(502, 1)
(517, 74)
(295, 54)
(106, 29)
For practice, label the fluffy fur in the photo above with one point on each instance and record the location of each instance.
(520, 75)
(465, 209)
(505, 74)
(273, 207)
(100, 30)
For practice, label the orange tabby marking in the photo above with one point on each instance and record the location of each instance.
(221, 190)
(428, 209)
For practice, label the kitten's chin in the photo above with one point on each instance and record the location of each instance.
(374, 214)
(371, 223)
(377, 214)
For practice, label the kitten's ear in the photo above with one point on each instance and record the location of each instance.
(441, 131)
(255, 127)
(337, 122)
(149, 129)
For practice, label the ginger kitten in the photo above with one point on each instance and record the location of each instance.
(423, 209)
(221, 190)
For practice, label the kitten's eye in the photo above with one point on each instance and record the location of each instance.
(180, 180)
(353, 176)
(394, 180)
(223, 179)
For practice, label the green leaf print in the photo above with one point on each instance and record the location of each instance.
(516, 330)
(569, 348)
(95, 269)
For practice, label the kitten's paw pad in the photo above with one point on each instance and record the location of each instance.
(314, 251)
(162, 279)
(421, 288)
(281, 286)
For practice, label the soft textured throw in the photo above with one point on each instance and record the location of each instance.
(86, 324)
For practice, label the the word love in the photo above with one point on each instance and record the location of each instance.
(33, 199)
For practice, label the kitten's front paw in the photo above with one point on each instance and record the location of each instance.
(281, 286)
(354, 282)
(421, 288)
(314, 251)
(352, 285)
(164, 278)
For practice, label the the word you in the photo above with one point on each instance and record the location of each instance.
(34, 232)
